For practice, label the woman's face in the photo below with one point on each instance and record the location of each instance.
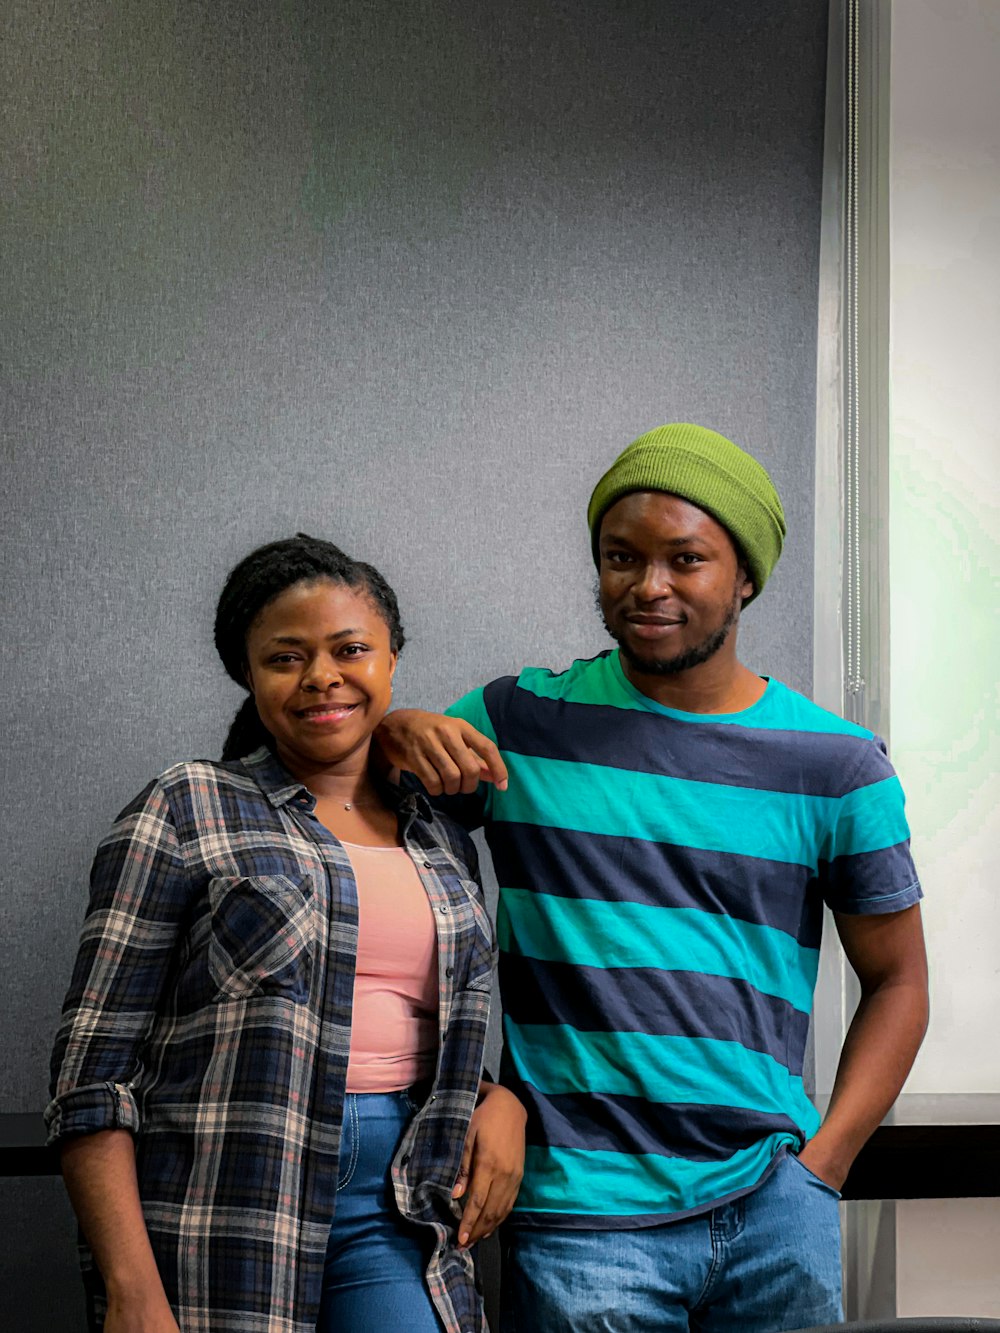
(320, 669)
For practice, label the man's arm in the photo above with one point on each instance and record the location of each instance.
(887, 954)
(447, 754)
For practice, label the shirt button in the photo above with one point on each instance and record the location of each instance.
(444, 907)
(404, 1160)
(449, 971)
(428, 865)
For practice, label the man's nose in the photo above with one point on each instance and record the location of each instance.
(654, 582)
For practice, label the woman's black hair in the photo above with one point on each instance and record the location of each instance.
(257, 580)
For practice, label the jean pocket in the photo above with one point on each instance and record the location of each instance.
(261, 935)
(817, 1180)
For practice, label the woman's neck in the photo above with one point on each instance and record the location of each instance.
(346, 783)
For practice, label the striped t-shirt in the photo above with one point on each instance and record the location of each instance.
(662, 876)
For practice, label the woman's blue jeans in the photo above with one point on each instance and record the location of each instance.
(767, 1261)
(375, 1261)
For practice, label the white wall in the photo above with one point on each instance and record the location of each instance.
(945, 466)
(945, 469)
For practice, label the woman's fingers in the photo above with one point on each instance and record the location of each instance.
(492, 1163)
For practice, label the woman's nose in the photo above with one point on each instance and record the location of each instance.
(322, 673)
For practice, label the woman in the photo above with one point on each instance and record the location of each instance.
(266, 1083)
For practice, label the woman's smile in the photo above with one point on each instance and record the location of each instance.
(326, 714)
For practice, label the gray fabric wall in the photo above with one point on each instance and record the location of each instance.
(402, 275)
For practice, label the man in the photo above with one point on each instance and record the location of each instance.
(671, 828)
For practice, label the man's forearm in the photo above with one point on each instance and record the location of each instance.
(881, 1045)
(100, 1176)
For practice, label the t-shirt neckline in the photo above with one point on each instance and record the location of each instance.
(679, 713)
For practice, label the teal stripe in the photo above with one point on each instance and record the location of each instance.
(610, 1184)
(590, 933)
(871, 818)
(594, 798)
(586, 682)
(602, 681)
(700, 1071)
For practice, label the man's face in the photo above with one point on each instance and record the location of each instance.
(671, 585)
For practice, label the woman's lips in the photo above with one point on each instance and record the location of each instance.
(327, 714)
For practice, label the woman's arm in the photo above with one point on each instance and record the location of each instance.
(139, 902)
(492, 1162)
(99, 1171)
(138, 905)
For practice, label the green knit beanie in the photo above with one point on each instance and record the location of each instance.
(713, 473)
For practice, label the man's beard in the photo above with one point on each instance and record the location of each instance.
(690, 657)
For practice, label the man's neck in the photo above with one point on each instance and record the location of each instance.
(720, 685)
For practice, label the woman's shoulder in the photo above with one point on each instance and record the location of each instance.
(192, 784)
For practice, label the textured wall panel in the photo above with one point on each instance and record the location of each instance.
(406, 276)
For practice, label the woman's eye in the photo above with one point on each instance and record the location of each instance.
(354, 649)
(617, 557)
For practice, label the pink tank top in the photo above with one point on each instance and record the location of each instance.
(394, 1031)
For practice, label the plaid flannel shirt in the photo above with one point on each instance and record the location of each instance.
(210, 1014)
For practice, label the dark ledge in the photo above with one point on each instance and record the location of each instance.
(928, 1147)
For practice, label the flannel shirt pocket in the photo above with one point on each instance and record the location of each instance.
(262, 929)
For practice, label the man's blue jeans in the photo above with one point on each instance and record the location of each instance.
(765, 1262)
(375, 1261)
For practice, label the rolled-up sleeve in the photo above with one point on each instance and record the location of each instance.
(139, 899)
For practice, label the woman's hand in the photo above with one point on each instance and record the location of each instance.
(447, 755)
(152, 1315)
(99, 1171)
(492, 1163)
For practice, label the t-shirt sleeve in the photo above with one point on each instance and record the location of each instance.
(866, 867)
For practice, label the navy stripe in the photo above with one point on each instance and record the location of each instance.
(859, 883)
(600, 1123)
(799, 762)
(573, 864)
(668, 1004)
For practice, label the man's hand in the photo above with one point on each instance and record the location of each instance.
(448, 756)
(492, 1163)
(815, 1161)
(887, 954)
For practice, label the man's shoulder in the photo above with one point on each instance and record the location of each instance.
(586, 680)
(796, 711)
(824, 739)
